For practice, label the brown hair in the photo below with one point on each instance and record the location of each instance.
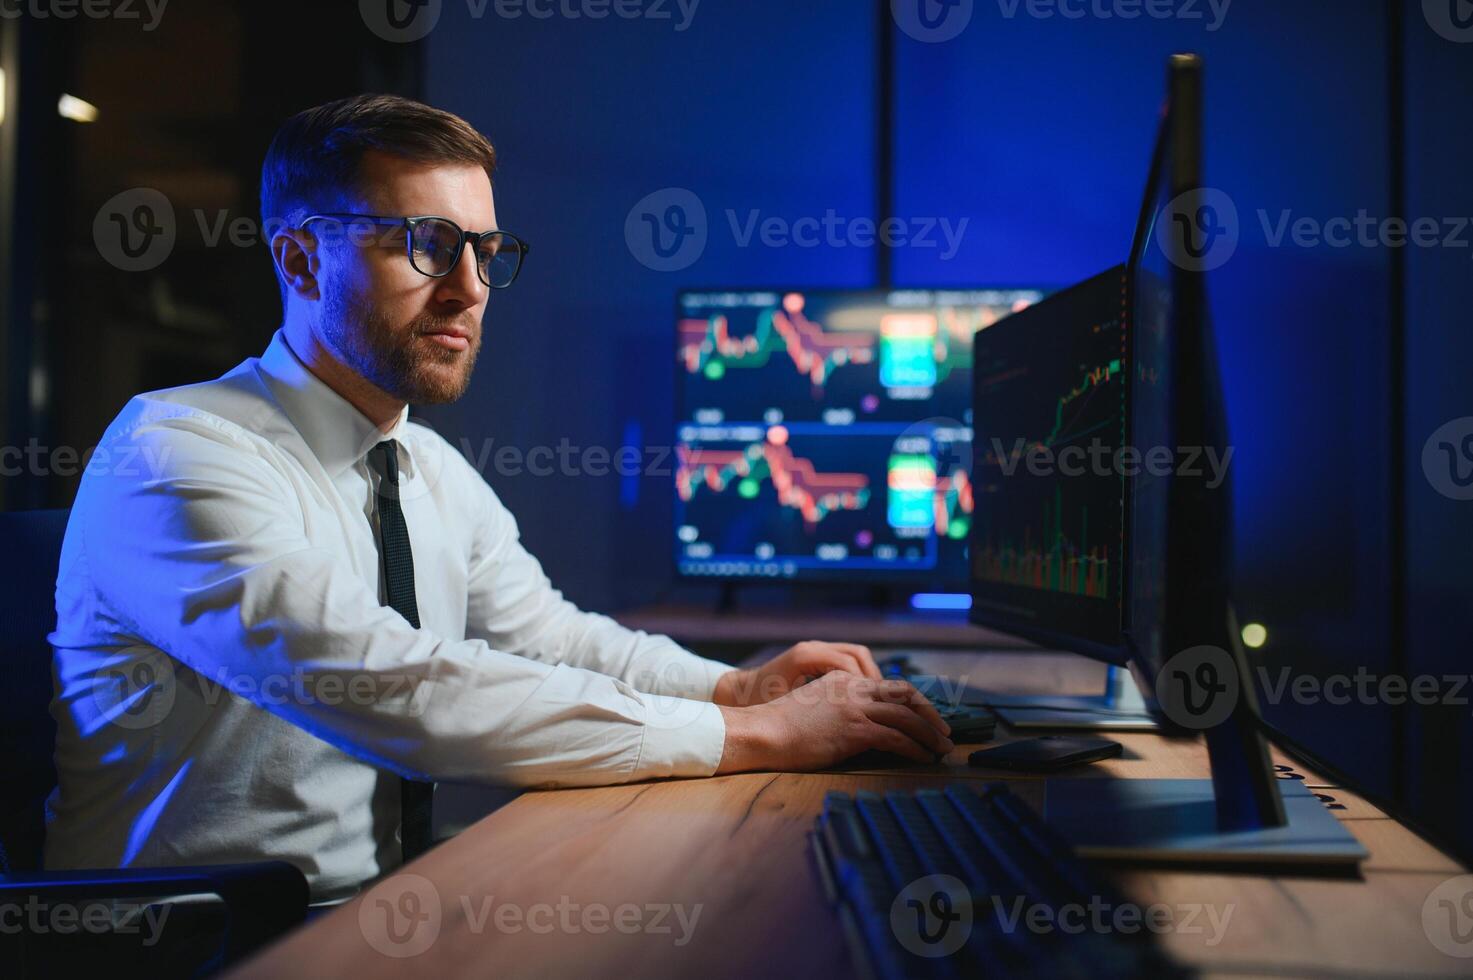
(318, 153)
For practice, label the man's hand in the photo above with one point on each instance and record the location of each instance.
(790, 669)
(837, 716)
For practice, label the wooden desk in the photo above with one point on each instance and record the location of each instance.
(735, 848)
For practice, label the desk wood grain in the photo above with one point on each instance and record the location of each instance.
(732, 853)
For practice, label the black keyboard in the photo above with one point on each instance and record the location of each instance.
(969, 723)
(945, 884)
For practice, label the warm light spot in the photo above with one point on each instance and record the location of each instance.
(778, 435)
(75, 109)
(793, 302)
(1255, 635)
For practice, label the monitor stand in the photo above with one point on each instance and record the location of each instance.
(1120, 708)
(1175, 822)
(1241, 817)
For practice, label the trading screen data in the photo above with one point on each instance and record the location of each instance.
(827, 434)
(1048, 503)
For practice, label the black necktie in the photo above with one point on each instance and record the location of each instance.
(415, 796)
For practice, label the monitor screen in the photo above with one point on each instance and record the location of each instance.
(1049, 497)
(826, 434)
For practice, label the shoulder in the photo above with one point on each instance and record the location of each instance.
(236, 409)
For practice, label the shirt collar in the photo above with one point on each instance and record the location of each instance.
(337, 433)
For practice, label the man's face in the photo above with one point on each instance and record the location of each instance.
(410, 335)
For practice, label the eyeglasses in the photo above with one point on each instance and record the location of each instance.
(434, 245)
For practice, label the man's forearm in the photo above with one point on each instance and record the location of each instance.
(751, 743)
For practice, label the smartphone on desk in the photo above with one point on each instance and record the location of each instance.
(1048, 753)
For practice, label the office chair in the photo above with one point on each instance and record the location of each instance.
(260, 900)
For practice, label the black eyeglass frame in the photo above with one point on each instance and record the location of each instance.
(409, 224)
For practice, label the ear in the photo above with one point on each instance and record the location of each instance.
(298, 261)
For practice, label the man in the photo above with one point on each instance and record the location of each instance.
(283, 608)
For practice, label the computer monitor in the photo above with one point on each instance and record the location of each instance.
(825, 435)
(1049, 413)
(1179, 629)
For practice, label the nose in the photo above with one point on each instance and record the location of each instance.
(462, 288)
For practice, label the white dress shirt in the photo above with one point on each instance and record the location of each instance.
(230, 687)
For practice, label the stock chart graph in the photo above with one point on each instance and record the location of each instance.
(1050, 417)
(827, 434)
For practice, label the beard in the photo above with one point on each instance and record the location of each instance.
(400, 360)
